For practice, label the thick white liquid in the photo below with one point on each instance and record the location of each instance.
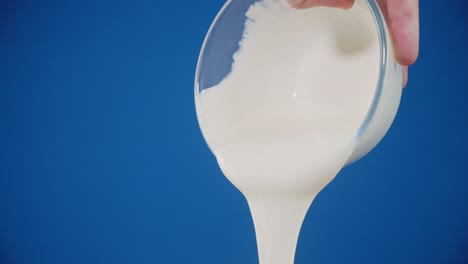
(282, 124)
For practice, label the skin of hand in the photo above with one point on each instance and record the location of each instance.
(402, 17)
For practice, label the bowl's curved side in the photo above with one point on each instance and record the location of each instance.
(388, 93)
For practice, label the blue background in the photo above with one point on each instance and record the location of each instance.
(102, 160)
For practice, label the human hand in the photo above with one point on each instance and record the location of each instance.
(402, 17)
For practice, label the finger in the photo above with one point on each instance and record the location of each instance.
(405, 75)
(301, 4)
(403, 20)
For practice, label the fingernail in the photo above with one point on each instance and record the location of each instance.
(295, 3)
(405, 76)
(344, 4)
